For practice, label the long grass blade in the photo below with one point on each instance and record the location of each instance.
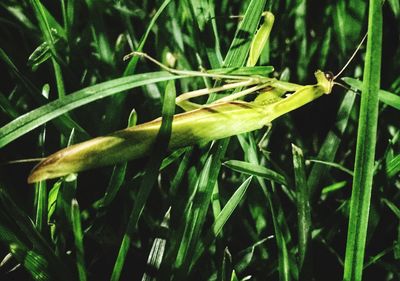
(64, 123)
(255, 170)
(130, 68)
(386, 97)
(149, 178)
(303, 214)
(46, 30)
(78, 237)
(365, 150)
(41, 115)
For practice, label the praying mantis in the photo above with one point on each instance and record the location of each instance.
(223, 118)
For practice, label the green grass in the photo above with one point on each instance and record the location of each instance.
(365, 149)
(319, 201)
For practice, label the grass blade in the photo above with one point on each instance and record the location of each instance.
(221, 219)
(384, 96)
(303, 214)
(64, 123)
(333, 165)
(41, 115)
(282, 233)
(119, 100)
(255, 170)
(41, 206)
(150, 177)
(34, 263)
(157, 250)
(46, 30)
(240, 45)
(235, 57)
(28, 230)
(365, 150)
(130, 68)
(118, 175)
(331, 144)
(78, 236)
(393, 166)
(201, 202)
(100, 39)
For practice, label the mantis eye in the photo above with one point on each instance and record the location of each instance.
(329, 75)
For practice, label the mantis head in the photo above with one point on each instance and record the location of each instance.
(325, 80)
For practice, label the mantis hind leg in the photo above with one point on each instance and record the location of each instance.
(264, 139)
(183, 100)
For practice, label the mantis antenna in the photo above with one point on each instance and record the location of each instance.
(351, 58)
(344, 87)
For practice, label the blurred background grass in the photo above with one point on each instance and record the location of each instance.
(91, 37)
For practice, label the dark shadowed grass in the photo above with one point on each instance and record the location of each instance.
(229, 210)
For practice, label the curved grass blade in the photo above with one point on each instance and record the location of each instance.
(384, 96)
(41, 115)
(365, 149)
(198, 210)
(334, 165)
(255, 170)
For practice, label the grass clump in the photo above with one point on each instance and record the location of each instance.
(226, 210)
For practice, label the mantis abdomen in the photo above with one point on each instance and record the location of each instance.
(211, 122)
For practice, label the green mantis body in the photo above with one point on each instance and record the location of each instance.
(211, 122)
(224, 118)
